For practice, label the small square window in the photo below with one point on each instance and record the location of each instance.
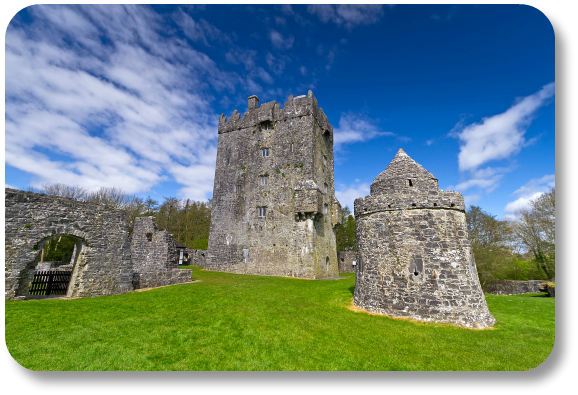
(265, 152)
(264, 180)
(262, 212)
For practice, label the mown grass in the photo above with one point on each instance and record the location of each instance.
(241, 322)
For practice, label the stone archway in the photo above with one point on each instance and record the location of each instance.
(102, 265)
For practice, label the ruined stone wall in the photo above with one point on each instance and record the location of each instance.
(152, 249)
(508, 287)
(414, 258)
(155, 257)
(296, 236)
(346, 259)
(103, 265)
(162, 278)
(196, 257)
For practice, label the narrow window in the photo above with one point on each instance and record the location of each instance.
(262, 212)
(292, 147)
(264, 180)
(324, 160)
(325, 187)
(325, 209)
(229, 158)
(410, 183)
(237, 189)
(265, 152)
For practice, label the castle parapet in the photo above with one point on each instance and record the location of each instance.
(270, 112)
(409, 200)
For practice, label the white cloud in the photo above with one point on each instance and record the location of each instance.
(198, 30)
(105, 96)
(471, 199)
(499, 136)
(347, 194)
(494, 138)
(286, 9)
(347, 15)
(237, 55)
(279, 41)
(276, 64)
(354, 128)
(532, 190)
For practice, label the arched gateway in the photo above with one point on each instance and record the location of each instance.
(103, 263)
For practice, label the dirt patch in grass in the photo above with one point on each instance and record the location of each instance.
(355, 309)
(162, 286)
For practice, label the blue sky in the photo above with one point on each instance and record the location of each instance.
(129, 96)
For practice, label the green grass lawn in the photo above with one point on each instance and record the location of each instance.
(241, 322)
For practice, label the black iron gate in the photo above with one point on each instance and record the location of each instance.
(50, 282)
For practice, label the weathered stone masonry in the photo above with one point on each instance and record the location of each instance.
(102, 266)
(346, 260)
(102, 260)
(414, 258)
(274, 207)
(154, 256)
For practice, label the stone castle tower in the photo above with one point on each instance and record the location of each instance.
(274, 208)
(414, 258)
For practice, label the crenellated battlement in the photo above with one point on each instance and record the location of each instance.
(272, 112)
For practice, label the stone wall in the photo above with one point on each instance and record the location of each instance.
(155, 257)
(345, 260)
(102, 266)
(414, 259)
(162, 278)
(196, 257)
(508, 287)
(152, 249)
(293, 181)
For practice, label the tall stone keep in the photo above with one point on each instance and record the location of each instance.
(414, 258)
(274, 208)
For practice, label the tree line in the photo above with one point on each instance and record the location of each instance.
(519, 249)
(187, 220)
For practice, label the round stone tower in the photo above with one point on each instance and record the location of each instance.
(414, 258)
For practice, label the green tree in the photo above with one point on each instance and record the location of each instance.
(491, 241)
(345, 233)
(535, 231)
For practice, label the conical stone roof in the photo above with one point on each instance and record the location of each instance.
(402, 168)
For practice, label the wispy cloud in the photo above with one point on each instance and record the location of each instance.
(346, 194)
(347, 15)
(532, 190)
(105, 96)
(279, 41)
(496, 138)
(355, 128)
(502, 135)
(198, 30)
